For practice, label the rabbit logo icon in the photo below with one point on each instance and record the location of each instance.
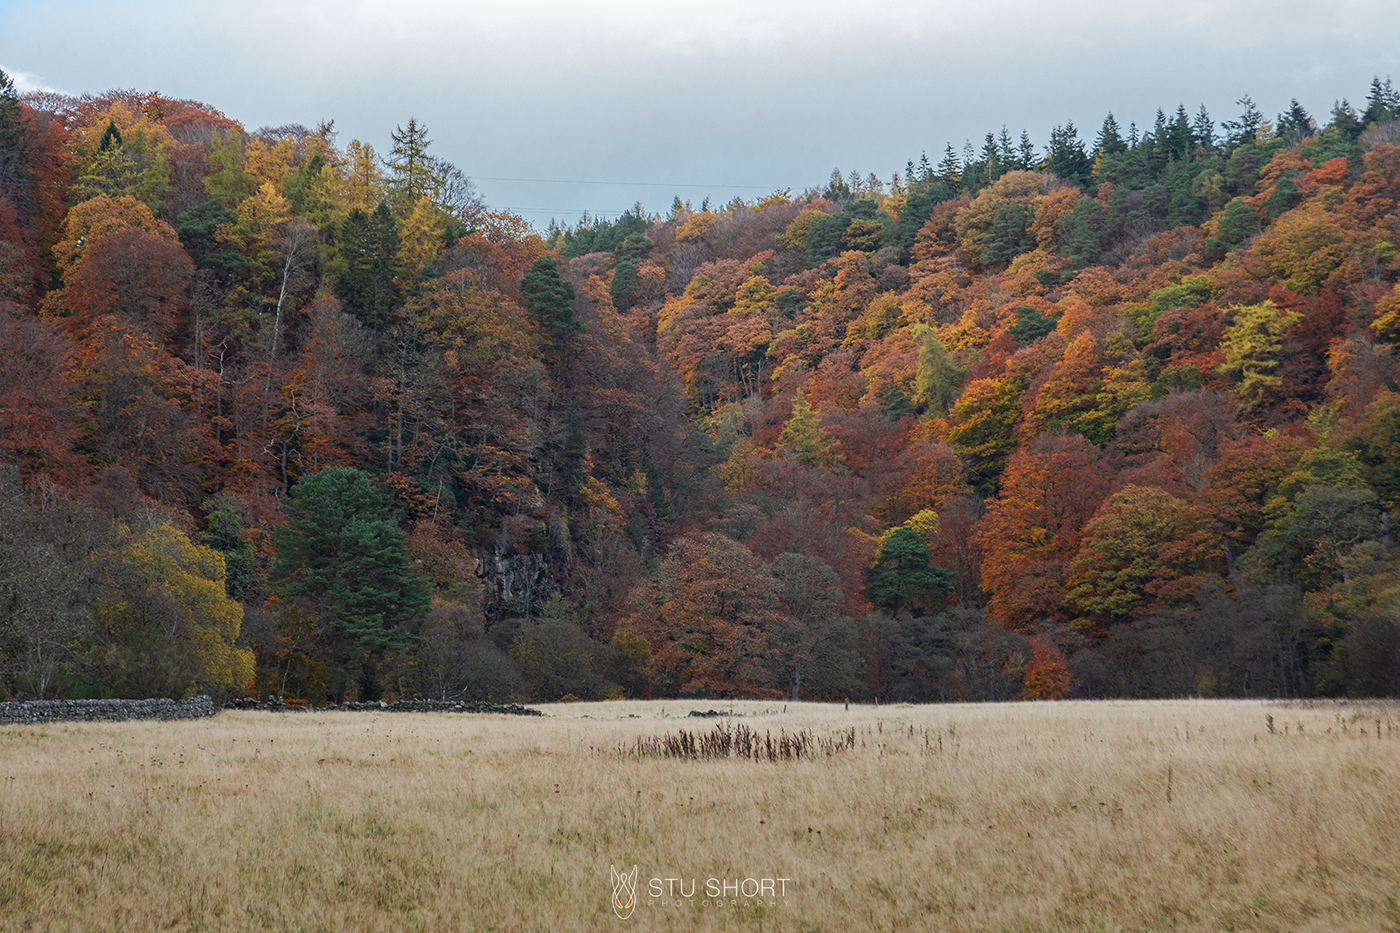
(624, 892)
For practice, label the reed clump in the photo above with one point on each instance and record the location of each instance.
(740, 742)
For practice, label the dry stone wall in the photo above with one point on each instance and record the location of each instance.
(41, 711)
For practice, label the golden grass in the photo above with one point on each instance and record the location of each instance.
(1006, 817)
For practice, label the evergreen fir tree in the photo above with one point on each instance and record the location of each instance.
(413, 172)
(1110, 140)
(1026, 155)
(1295, 124)
(1382, 104)
(551, 300)
(1203, 130)
(950, 169)
(369, 248)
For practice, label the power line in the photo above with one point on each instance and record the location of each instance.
(553, 210)
(633, 184)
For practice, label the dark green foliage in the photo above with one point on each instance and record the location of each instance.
(625, 284)
(656, 495)
(824, 238)
(903, 576)
(950, 170)
(300, 184)
(1377, 450)
(836, 188)
(12, 134)
(789, 301)
(342, 558)
(369, 247)
(991, 159)
(1203, 130)
(1295, 124)
(1242, 132)
(111, 138)
(604, 236)
(1085, 230)
(1066, 157)
(635, 248)
(1030, 326)
(1176, 136)
(1345, 120)
(917, 209)
(571, 459)
(897, 404)
(1382, 104)
(1109, 141)
(828, 237)
(551, 300)
(1190, 292)
(14, 156)
(225, 535)
(197, 227)
(1177, 379)
(1238, 223)
(1049, 278)
(1007, 237)
(1283, 198)
(1334, 145)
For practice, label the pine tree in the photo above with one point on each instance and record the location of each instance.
(1345, 120)
(1178, 135)
(804, 436)
(625, 284)
(1066, 156)
(1295, 125)
(551, 300)
(369, 249)
(1203, 130)
(1382, 104)
(1006, 149)
(950, 169)
(903, 576)
(1007, 237)
(342, 557)
(937, 378)
(111, 137)
(413, 171)
(1109, 141)
(1242, 132)
(1026, 155)
(992, 165)
(14, 155)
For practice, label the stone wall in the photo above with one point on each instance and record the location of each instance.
(40, 711)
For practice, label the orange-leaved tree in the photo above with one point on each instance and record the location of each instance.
(709, 615)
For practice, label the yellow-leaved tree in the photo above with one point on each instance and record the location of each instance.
(171, 628)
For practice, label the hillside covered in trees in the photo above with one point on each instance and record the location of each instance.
(1115, 417)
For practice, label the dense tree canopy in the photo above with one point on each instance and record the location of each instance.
(1106, 417)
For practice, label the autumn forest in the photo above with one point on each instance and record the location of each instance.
(1115, 415)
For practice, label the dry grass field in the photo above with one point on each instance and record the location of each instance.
(1070, 816)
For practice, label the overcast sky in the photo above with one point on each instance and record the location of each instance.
(726, 98)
